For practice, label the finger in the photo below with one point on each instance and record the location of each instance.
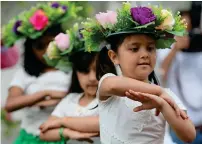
(136, 96)
(45, 128)
(183, 114)
(41, 126)
(151, 97)
(132, 97)
(177, 109)
(157, 112)
(139, 108)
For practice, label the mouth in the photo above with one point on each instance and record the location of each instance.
(92, 85)
(145, 63)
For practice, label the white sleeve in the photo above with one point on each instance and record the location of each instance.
(61, 107)
(100, 82)
(176, 99)
(19, 79)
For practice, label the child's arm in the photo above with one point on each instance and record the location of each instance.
(184, 129)
(181, 43)
(53, 135)
(17, 100)
(82, 124)
(117, 85)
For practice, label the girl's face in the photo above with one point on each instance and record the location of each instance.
(136, 56)
(88, 81)
(40, 47)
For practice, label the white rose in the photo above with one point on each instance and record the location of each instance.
(52, 51)
(168, 22)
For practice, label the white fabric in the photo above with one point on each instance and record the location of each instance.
(120, 125)
(33, 117)
(187, 69)
(69, 106)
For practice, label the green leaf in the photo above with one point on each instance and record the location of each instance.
(50, 62)
(177, 33)
(164, 43)
(145, 26)
(64, 65)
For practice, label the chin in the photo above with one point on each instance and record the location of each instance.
(92, 92)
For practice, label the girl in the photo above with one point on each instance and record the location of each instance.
(78, 111)
(133, 35)
(37, 87)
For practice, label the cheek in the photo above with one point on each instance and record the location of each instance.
(82, 79)
(153, 60)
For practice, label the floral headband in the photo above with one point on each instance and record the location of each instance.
(34, 22)
(63, 46)
(146, 20)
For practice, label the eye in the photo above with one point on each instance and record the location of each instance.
(84, 71)
(150, 48)
(134, 49)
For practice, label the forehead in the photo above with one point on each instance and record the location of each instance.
(139, 39)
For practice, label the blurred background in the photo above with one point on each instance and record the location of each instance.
(185, 64)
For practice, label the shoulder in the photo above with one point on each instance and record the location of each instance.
(71, 96)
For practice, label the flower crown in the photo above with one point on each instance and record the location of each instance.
(63, 46)
(34, 22)
(149, 20)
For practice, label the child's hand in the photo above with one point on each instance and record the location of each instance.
(47, 103)
(51, 124)
(55, 94)
(148, 101)
(80, 136)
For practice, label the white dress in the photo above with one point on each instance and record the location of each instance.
(69, 106)
(120, 125)
(33, 117)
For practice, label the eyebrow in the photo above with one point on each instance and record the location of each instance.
(136, 43)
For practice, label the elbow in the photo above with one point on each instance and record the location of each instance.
(190, 137)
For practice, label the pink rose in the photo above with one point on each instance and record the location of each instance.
(108, 18)
(62, 41)
(39, 20)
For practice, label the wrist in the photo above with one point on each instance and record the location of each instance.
(63, 121)
(162, 105)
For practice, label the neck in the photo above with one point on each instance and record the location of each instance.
(89, 97)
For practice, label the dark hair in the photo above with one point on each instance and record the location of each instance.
(105, 65)
(32, 65)
(81, 62)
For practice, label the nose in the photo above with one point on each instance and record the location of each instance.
(92, 76)
(144, 53)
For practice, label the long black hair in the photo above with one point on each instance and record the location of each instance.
(105, 65)
(32, 65)
(81, 62)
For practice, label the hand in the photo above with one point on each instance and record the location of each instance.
(172, 103)
(80, 136)
(182, 42)
(51, 124)
(56, 94)
(148, 101)
(47, 103)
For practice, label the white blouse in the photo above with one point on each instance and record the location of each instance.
(33, 117)
(69, 106)
(120, 125)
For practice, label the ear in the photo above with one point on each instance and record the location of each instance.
(113, 56)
